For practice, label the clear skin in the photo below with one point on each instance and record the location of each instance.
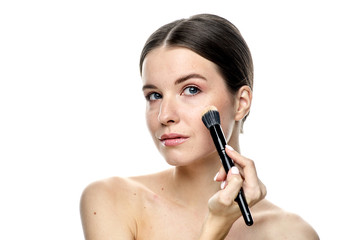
(186, 201)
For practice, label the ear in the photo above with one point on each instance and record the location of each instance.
(243, 102)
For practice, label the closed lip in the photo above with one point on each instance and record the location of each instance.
(173, 139)
(171, 136)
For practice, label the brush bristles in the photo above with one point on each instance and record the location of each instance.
(211, 117)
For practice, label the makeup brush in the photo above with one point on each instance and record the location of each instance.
(211, 119)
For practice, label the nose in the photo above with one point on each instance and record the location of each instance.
(168, 113)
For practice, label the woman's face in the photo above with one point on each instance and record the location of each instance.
(178, 85)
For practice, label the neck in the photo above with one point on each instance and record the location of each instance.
(194, 184)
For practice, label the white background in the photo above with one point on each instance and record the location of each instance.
(72, 110)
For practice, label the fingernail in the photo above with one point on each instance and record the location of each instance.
(229, 147)
(235, 170)
(216, 176)
(222, 186)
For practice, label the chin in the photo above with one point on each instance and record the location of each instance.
(177, 160)
(181, 158)
(189, 152)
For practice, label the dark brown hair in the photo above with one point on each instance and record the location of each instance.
(213, 38)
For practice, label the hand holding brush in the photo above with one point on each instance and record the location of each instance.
(211, 119)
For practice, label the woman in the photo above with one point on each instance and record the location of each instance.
(186, 66)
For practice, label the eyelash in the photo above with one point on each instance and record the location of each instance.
(192, 86)
(150, 94)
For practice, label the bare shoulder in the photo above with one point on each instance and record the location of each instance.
(275, 223)
(112, 207)
(290, 226)
(108, 208)
(108, 191)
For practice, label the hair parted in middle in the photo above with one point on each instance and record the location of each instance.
(215, 39)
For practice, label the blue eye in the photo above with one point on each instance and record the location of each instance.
(191, 91)
(153, 96)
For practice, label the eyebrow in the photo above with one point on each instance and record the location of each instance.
(178, 81)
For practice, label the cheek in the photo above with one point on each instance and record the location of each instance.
(200, 130)
(151, 120)
(228, 129)
(227, 117)
(225, 107)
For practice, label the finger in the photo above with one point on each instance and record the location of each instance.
(254, 189)
(235, 156)
(221, 175)
(247, 165)
(233, 184)
(233, 171)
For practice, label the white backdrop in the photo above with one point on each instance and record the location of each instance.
(72, 110)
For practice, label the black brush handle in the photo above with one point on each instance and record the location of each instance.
(220, 143)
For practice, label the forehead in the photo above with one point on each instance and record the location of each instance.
(171, 62)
